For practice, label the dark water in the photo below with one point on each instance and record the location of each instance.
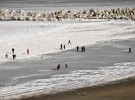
(65, 4)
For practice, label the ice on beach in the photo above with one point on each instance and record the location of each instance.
(73, 80)
(46, 37)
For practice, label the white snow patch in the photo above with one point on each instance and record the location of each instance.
(46, 37)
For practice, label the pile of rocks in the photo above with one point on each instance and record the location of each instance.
(119, 13)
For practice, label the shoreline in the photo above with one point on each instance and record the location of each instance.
(109, 90)
(123, 89)
(108, 51)
(118, 90)
(94, 51)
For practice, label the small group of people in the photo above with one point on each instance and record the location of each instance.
(69, 42)
(14, 55)
(59, 66)
(82, 49)
(61, 46)
(64, 46)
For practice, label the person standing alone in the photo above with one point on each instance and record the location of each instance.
(61, 46)
(69, 42)
(13, 50)
(77, 48)
(28, 52)
(129, 50)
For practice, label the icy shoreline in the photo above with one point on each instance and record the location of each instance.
(61, 15)
(42, 38)
(48, 37)
(66, 82)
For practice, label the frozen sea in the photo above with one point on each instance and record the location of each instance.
(104, 60)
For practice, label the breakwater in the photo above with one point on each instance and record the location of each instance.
(61, 15)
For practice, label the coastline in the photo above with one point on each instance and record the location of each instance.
(123, 89)
(118, 90)
(103, 55)
(106, 71)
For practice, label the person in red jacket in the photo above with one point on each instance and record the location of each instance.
(58, 67)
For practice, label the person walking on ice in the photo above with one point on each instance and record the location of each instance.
(61, 46)
(129, 50)
(83, 49)
(69, 42)
(77, 48)
(64, 46)
(28, 52)
(58, 67)
(13, 50)
(14, 56)
(6, 55)
(66, 66)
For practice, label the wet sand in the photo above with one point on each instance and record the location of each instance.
(121, 90)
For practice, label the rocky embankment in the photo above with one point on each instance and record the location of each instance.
(119, 13)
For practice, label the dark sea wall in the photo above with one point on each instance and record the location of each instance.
(118, 14)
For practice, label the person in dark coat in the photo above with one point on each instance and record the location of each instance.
(66, 66)
(69, 42)
(83, 48)
(13, 50)
(6, 55)
(58, 67)
(77, 48)
(28, 52)
(64, 46)
(61, 46)
(14, 56)
(129, 50)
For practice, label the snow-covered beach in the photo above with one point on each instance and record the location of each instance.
(46, 37)
(106, 58)
(33, 74)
